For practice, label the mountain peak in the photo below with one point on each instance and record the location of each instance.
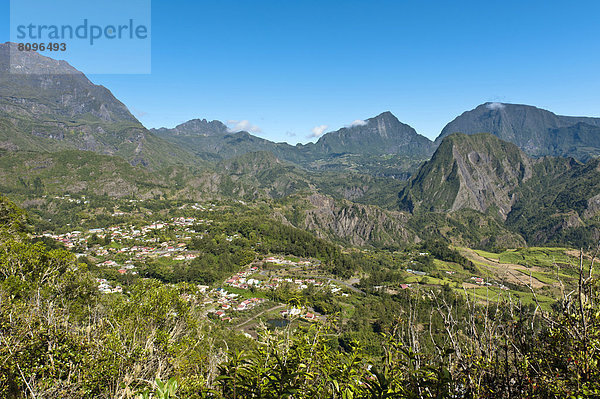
(385, 115)
(32, 63)
(532, 129)
(476, 171)
(48, 105)
(201, 127)
(382, 134)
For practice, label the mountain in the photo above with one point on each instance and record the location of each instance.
(560, 205)
(536, 131)
(194, 128)
(478, 183)
(28, 174)
(469, 171)
(47, 105)
(350, 223)
(213, 141)
(381, 146)
(383, 134)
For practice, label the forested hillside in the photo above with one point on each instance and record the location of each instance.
(62, 338)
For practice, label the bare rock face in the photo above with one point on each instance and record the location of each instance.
(355, 223)
(478, 172)
(593, 207)
(486, 183)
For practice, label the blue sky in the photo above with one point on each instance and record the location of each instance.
(287, 67)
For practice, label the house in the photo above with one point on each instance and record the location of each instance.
(294, 311)
(202, 288)
(109, 263)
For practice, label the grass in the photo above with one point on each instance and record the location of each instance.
(494, 294)
(347, 310)
(450, 266)
(429, 280)
(246, 293)
(543, 277)
(532, 256)
(536, 256)
(485, 254)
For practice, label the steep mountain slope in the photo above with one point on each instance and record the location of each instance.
(477, 172)
(383, 134)
(536, 131)
(381, 146)
(48, 105)
(344, 221)
(466, 228)
(477, 183)
(561, 205)
(261, 174)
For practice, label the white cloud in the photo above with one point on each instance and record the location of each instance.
(317, 131)
(358, 122)
(495, 106)
(245, 125)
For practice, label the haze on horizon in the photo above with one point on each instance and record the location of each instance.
(293, 71)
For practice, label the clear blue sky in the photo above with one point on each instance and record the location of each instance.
(288, 66)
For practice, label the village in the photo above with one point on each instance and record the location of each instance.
(124, 247)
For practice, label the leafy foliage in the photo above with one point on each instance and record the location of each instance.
(60, 339)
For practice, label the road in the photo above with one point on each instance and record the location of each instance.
(349, 286)
(239, 326)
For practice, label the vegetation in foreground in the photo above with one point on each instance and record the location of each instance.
(61, 338)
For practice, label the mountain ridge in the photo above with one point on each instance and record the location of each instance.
(536, 131)
(50, 106)
(384, 133)
(379, 138)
